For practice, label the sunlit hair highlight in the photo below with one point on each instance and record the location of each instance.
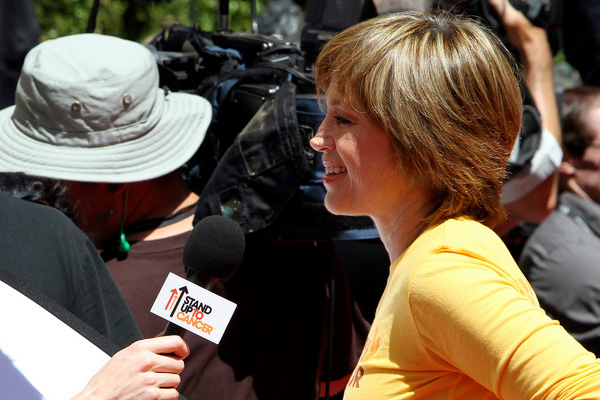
(445, 90)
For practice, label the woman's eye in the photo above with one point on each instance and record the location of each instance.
(341, 120)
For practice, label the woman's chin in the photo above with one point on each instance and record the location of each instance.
(338, 206)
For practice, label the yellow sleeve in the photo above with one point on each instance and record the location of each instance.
(483, 320)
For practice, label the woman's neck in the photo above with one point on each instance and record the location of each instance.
(400, 227)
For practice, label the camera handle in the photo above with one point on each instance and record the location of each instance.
(224, 15)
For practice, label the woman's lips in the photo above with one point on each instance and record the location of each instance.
(333, 172)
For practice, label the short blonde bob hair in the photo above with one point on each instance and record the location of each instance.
(445, 89)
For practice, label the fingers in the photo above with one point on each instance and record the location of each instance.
(166, 364)
(173, 345)
(500, 6)
(170, 350)
(164, 387)
(162, 354)
(168, 394)
(179, 348)
(167, 381)
(509, 15)
(170, 345)
(147, 369)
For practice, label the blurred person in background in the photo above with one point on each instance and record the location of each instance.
(560, 259)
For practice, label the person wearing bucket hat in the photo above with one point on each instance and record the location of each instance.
(88, 110)
(89, 113)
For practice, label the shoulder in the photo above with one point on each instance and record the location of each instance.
(15, 212)
(567, 234)
(460, 257)
(38, 239)
(463, 236)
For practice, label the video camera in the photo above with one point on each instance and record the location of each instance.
(543, 13)
(539, 12)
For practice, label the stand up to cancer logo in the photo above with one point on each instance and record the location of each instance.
(191, 311)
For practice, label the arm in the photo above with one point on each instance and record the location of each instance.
(494, 332)
(142, 371)
(532, 43)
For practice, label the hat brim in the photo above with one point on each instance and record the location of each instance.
(173, 141)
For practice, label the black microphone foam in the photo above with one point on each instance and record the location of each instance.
(215, 247)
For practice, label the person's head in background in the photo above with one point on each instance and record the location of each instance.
(443, 90)
(89, 112)
(580, 169)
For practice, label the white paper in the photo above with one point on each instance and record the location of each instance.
(52, 357)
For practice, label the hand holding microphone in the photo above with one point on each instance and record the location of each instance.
(140, 371)
(213, 250)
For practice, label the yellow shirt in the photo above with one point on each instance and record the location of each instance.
(458, 320)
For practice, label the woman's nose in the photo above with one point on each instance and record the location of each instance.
(321, 142)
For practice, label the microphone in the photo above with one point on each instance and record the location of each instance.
(214, 249)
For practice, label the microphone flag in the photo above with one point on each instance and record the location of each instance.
(193, 308)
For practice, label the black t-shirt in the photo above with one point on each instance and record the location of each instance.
(42, 247)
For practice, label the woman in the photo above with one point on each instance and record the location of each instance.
(422, 113)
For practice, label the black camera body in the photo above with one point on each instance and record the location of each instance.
(546, 14)
(539, 12)
(543, 13)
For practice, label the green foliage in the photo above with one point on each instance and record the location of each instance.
(560, 57)
(136, 19)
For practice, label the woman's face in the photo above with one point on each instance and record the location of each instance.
(362, 174)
